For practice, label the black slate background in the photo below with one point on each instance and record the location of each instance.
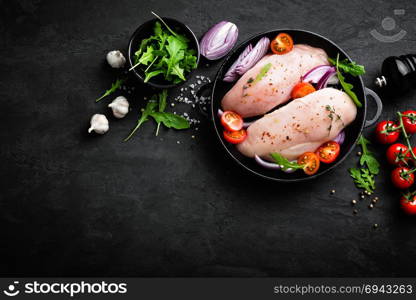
(73, 204)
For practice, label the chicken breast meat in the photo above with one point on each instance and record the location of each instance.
(300, 126)
(270, 82)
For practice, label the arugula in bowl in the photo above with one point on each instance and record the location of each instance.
(165, 53)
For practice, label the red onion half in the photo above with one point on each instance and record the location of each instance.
(219, 40)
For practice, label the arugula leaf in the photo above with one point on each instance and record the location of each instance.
(152, 74)
(162, 105)
(114, 86)
(284, 162)
(171, 120)
(348, 67)
(367, 157)
(147, 56)
(150, 108)
(163, 100)
(177, 70)
(189, 62)
(347, 86)
(363, 178)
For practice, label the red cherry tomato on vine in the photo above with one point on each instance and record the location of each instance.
(402, 178)
(398, 155)
(387, 132)
(409, 121)
(408, 204)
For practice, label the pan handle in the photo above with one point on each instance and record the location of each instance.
(369, 92)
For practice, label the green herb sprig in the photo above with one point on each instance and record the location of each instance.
(114, 87)
(348, 67)
(155, 109)
(347, 86)
(284, 162)
(364, 177)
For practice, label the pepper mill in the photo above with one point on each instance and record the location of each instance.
(398, 74)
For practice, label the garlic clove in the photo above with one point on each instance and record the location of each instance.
(116, 59)
(99, 124)
(120, 107)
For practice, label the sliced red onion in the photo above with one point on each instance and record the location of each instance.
(266, 164)
(340, 138)
(254, 56)
(315, 74)
(323, 82)
(333, 79)
(271, 166)
(231, 74)
(219, 40)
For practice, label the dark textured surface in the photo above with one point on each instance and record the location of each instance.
(73, 204)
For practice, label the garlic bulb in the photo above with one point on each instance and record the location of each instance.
(120, 107)
(99, 124)
(116, 59)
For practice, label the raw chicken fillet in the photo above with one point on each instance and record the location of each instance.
(300, 126)
(254, 94)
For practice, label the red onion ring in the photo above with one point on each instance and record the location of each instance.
(323, 82)
(314, 75)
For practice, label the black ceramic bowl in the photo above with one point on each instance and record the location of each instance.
(352, 132)
(146, 30)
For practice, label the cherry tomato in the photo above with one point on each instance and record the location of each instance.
(235, 137)
(409, 121)
(231, 121)
(397, 155)
(328, 152)
(310, 161)
(387, 132)
(282, 44)
(401, 178)
(302, 89)
(408, 204)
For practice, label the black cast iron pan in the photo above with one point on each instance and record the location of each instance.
(352, 132)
